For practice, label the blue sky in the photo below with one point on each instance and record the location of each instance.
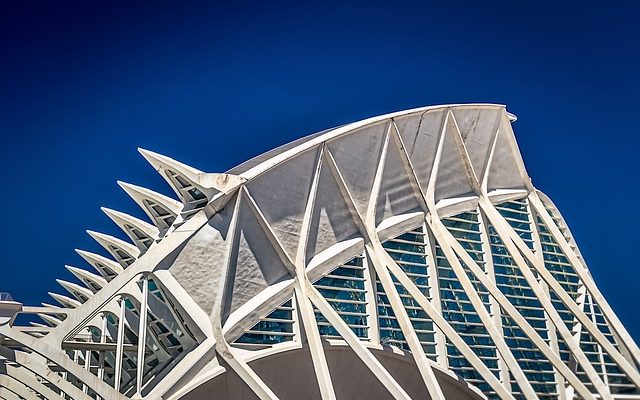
(83, 84)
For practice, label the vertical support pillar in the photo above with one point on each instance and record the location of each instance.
(142, 333)
(87, 366)
(103, 339)
(101, 353)
(119, 345)
(76, 358)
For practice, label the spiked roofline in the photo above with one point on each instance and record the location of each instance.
(275, 249)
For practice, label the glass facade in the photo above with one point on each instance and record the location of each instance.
(276, 327)
(511, 282)
(558, 264)
(458, 310)
(345, 288)
(409, 252)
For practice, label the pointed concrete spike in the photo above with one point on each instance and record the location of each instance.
(122, 220)
(105, 240)
(47, 305)
(95, 260)
(75, 289)
(64, 300)
(142, 196)
(139, 193)
(83, 275)
(209, 183)
(159, 161)
(120, 217)
(53, 321)
(163, 165)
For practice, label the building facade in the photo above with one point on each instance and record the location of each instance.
(402, 256)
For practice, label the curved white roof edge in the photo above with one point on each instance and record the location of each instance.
(287, 150)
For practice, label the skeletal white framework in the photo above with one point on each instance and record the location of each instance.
(403, 256)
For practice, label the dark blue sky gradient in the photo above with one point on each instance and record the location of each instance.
(83, 84)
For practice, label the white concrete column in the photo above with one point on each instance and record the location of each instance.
(119, 344)
(142, 332)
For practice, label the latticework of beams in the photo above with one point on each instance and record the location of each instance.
(416, 234)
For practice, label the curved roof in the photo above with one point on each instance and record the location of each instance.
(305, 142)
(416, 233)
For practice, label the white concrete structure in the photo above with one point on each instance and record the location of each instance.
(403, 256)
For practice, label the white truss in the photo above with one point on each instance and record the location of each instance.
(416, 235)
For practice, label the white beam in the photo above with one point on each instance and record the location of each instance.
(302, 284)
(507, 234)
(142, 333)
(586, 278)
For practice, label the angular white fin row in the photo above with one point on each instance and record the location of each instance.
(164, 212)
